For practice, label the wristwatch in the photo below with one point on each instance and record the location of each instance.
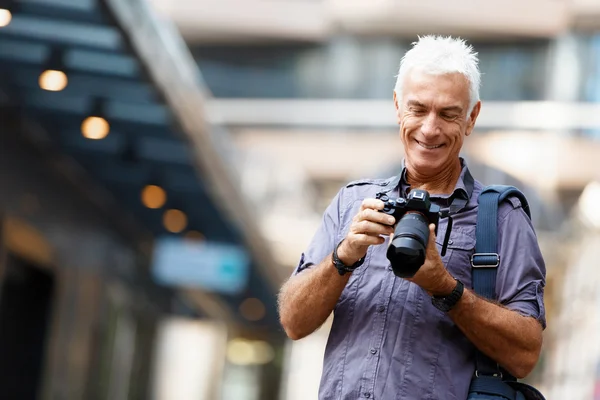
(340, 266)
(445, 303)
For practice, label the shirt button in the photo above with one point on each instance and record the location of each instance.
(381, 309)
(367, 395)
(390, 268)
(450, 241)
(373, 351)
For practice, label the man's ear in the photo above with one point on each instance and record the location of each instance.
(396, 100)
(473, 118)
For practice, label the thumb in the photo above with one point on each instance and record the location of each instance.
(432, 236)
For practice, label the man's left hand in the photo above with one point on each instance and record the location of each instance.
(433, 276)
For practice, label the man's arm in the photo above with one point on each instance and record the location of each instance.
(309, 297)
(511, 339)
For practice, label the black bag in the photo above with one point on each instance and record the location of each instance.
(490, 382)
(496, 388)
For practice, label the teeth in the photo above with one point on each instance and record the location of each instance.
(429, 147)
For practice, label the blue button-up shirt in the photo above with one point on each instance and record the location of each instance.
(387, 341)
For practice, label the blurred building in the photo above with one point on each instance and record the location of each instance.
(142, 249)
(131, 266)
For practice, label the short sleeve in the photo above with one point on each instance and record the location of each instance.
(323, 241)
(522, 272)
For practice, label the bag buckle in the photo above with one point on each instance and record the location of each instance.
(485, 260)
(495, 375)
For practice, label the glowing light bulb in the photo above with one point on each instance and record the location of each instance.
(252, 309)
(154, 196)
(53, 81)
(95, 128)
(5, 17)
(174, 221)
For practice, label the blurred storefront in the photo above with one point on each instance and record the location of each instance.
(128, 254)
(77, 308)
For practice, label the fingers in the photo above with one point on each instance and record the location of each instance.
(374, 204)
(367, 240)
(371, 228)
(432, 233)
(370, 221)
(369, 214)
(431, 246)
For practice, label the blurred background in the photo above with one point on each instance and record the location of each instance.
(163, 163)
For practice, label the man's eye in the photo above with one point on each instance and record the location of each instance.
(418, 111)
(449, 117)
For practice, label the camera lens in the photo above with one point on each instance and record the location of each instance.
(407, 250)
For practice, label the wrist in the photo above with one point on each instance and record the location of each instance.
(445, 287)
(340, 264)
(446, 303)
(346, 255)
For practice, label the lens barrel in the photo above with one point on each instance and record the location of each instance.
(408, 247)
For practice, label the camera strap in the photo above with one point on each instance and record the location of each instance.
(458, 202)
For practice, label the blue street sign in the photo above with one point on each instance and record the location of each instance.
(215, 267)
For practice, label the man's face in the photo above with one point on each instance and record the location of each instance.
(432, 115)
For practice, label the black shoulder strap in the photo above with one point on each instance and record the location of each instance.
(485, 261)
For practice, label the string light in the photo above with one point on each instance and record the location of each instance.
(252, 309)
(95, 128)
(174, 220)
(53, 80)
(154, 196)
(5, 17)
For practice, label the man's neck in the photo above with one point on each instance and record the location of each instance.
(442, 183)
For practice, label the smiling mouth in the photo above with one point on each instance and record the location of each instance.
(429, 147)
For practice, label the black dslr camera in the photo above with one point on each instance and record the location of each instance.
(413, 215)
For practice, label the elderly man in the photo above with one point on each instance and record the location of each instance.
(389, 340)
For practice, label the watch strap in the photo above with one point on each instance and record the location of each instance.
(340, 266)
(446, 303)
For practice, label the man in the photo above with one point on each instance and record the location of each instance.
(388, 340)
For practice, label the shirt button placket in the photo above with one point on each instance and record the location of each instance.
(368, 385)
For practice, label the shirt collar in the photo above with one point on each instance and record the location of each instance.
(460, 188)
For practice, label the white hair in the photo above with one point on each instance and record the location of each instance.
(437, 55)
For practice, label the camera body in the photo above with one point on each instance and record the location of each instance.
(416, 201)
(407, 250)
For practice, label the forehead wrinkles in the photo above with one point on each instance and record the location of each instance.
(437, 91)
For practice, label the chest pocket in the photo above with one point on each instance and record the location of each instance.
(457, 259)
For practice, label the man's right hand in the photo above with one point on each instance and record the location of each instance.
(369, 226)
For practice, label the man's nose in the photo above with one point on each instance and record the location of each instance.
(431, 124)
